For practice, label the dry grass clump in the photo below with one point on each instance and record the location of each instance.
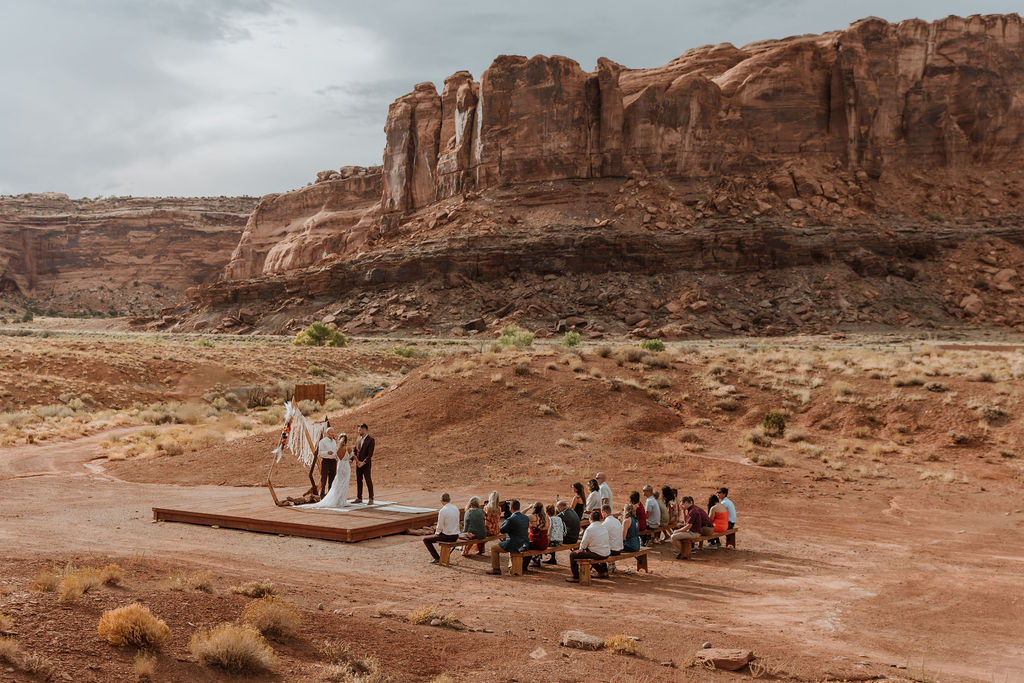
(756, 437)
(728, 404)
(937, 387)
(658, 382)
(796, 436)
(144, 667)
(577, 365)
(255, 589)
(768, 460)
(622, 645)
(198, 581)
(133, 625)
(10, 651)
(603, 351)
(545, 409)
(235, 649)
(841, 390)
(522, 368)
(344, 666)
(111, 575)
(273, 617)
(428, 615)
(631, 354)
(46, 581)
(6, 623)
(908, 381)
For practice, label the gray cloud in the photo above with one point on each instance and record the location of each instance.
(158, 97)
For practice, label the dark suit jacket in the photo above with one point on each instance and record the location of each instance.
(572, 525)
(365, 452)
(517, 532)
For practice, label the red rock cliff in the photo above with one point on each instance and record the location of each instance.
(868, 97)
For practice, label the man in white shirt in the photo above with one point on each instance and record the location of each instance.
(595, 545)
(327, 450)
(652, 508)
(614, 528)
(606, 490)
(447, 528)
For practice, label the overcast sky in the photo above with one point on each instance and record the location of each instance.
(211, 97)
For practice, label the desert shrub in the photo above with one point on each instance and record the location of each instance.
(318, 334)
(235, 649)
(255, 589)
(545, 409)
(774, 423)
(908, 381)
(46, 581)
(795, 436)
(513, 335)
(577, 365)
(144, 667)
(426, 616)
(757, 437)
(169, 446)
(622, 645)
(10, 651)
(6, 623)
(937, 387)
(205, 343)
(111, 575)
(522, 368)
(133, 625)
(604, 351)
(308, 407)
(631, 354)
(572, 338)
(345, 666)
(658, 382)
(653, 345)
(728, 404)
(31, 663)
(990, 413)
(316, 371)
(657, 360)
(768, 460)
(198, 581)
(959, 438)
(984, 376)
(71, 588)
(841, 389)
(272, 416)
(404, 351)
(55, 411)
(273, 617)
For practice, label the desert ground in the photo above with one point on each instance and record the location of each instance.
(880, 534)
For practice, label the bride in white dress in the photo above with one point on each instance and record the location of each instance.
(337, 497)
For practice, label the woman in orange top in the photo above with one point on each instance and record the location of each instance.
(719, 515)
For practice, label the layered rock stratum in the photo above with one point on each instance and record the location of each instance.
(112, 256)
(861, 177)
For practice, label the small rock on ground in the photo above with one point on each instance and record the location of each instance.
(581, 640)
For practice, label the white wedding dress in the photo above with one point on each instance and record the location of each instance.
(337, 497)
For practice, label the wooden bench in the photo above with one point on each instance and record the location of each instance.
(448, 546)
(730, 540)
(584, 564)
(519, 560)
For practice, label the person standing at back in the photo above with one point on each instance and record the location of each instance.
(606, 490)
(593, 498)
(364, 460)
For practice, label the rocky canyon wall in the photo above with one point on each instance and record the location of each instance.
(873, 96)
(117, 255)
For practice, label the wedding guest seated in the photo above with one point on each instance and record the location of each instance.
(492, 518)
(447, 528)
(630, 529)
(671, 499)
(652, 509)
(614, 527)
(595, 545)
(593, 498)
(697, 524)
(723, 497)
(517, 537)
(571, 521)
(578, 496)
(719, 515)
(556, 532)
(639, 510)
(662, 510)
(473, 525)
(539, 538)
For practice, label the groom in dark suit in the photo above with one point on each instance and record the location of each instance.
(364, 459)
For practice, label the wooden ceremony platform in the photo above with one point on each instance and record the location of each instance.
(253, 510)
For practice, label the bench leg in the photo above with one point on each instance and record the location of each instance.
(641, 563)
(687, 548)
(584, 574)
(517, 565)
(730, 540)
(446, 555)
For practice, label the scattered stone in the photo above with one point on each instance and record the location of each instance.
(435, 622)
(971, 304)
(796, 204)
(581, 640)
(706, 645)
(320, 606)
(721, 658)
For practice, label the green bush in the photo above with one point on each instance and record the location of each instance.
(316, 371)
(572, 339)
(513, 335)
(774, 424)
(404, 351)
(653, 345)
(318, 334)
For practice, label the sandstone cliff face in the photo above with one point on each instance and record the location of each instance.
(870, 97)
(288, 231)
(123, 255)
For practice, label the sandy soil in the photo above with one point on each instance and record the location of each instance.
(836, 575)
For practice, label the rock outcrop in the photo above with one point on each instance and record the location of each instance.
(874, 96)
(122, 255)
(289, 231)
(862, 177)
